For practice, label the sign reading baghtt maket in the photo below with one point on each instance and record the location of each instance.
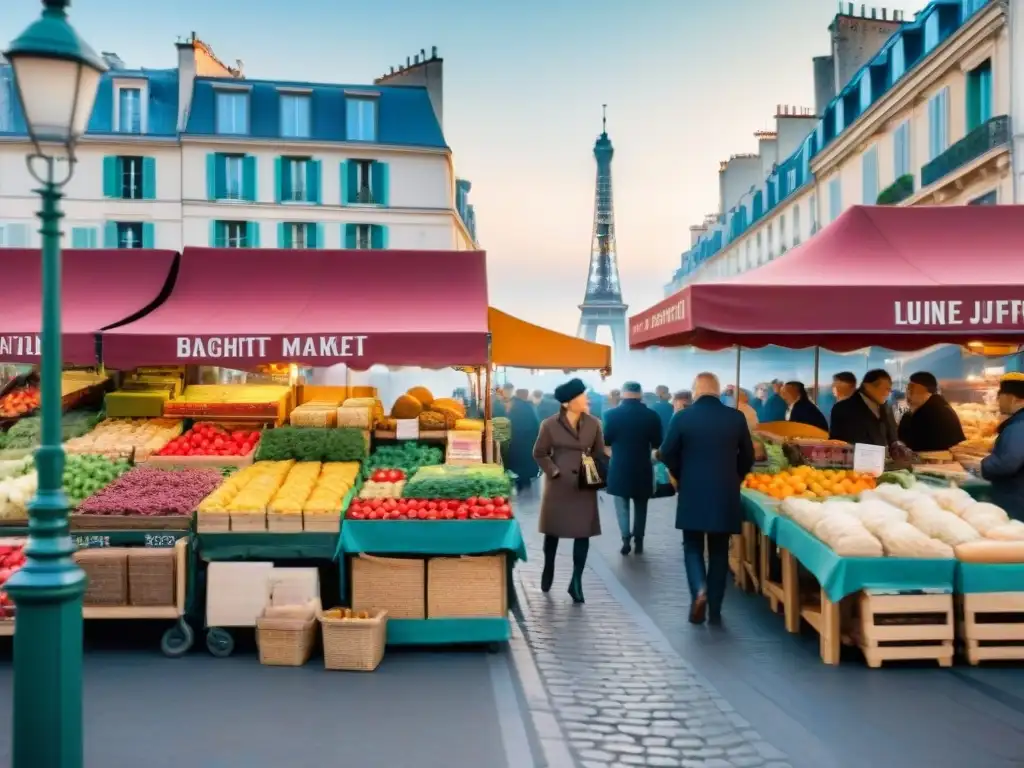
(269, 347)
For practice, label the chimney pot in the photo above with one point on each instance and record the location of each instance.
(433, 52)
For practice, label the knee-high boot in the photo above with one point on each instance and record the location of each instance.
(547, 577)
(580, 548)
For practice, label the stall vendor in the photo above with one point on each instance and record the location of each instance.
(931, 424)
(866, 417)
(1004, 467)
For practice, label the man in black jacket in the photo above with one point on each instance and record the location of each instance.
(800, 409)
(931, 424)
(866, 417)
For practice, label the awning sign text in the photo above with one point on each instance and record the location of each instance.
(931, 314)
(673, 313)
(28, 345)
(277, 349)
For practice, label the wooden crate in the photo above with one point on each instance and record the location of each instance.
(278, 522)
(902, 627)
(249, 521)
(992, 626)
(395, 585)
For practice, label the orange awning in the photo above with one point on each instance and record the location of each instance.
(516, 343)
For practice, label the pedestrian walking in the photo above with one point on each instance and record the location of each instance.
(525, 426)
(633, 432)
(570, 450)
(663, 406)
(708, 450)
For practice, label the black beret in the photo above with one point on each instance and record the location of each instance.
(570, 390)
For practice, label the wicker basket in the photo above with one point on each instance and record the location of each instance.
(396, 585)
(151, 576)
(467, 587)
(285, 641)
(107, 573)
(355, 645)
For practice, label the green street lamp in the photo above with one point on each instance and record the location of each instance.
(56, 75)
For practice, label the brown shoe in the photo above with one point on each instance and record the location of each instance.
(699, 609)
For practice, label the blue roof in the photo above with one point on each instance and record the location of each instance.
(405, 115)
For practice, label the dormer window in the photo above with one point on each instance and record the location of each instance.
(361, 118)
(130, 106)
(232, 107)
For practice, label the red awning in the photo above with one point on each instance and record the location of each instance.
(99, 288)
(900, 278)
(243, 307)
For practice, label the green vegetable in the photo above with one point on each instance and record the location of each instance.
(85, 475)
(902, 477)
(25, 432)
(501, 428)
(776, 456)
(312, 444)
(459, 482)
(408, 457)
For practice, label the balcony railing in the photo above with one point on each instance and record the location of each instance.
(990, 135)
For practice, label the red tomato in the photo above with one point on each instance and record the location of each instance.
(403, 508)
(393, 475)
(449, 514)
(471, 500)
(422, 514)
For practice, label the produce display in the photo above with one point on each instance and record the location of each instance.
(434, 414)
(25, 434)
(205, 439)
(458, 482)
(124, 438)
(979, 421)
(502, 429)
(296, 489)
(17, 488)
(384, 484)
(312, 444)
(345, 614)
(207, 401)
(19, 401)
(84, 475)
(316, 413)
(407, 457)
(336, 480)
(473, 508)
(809, 483)
(151, 492)
(470, 425)
(12, 558)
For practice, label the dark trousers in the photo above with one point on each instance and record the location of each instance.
(709, 576)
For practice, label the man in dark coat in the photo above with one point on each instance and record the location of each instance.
(525, 425)
(499, 408)
(633, 432)
(709, 451)
(866, 417)
(547, 406)
(1004, 467)
(663, 406)
(774, 408)
(800, 409)
(931, 424)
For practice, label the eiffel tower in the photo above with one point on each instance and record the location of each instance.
(602, 303)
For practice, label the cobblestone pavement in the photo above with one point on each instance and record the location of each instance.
(621, 697)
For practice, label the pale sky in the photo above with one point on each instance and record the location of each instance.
(687, 84)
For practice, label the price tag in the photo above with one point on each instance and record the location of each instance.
(407, 429)
(159, 540)
(869, 459)
(92, 542)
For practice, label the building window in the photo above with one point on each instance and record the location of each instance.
(129, 178)
(782, 234)
(14, 235)
(901, 149)
(231, 177)
(129, 234)
(298, 180)
(365, 237)
(234, 178)
(129, 110)
(232, 112)
(796, 225)
(979, 95)
(6, 98)
(234, 234)
(989, 198)
(835, 198)
(758, 248)
(771, 242)
(869, 176)
(83, 237)
(295, 111)
(366, 182)
(361, 119)
(298, 235)
(938, 123)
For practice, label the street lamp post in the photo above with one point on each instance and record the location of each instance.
(56, 75)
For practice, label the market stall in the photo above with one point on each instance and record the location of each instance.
(516, 343)
(899, 278)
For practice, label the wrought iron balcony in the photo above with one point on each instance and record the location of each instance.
(990, 135)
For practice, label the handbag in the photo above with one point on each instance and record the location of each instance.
(591, 476)
(663, 487)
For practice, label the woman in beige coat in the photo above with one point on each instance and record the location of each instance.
(566, 510)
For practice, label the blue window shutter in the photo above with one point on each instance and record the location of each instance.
(376, 237)
(252, 234)
(149, 178)
(353, 181)
(215, 241)
(349, 236)
(80, 237)
(214, 169)
(343, 176)
(318, 236)
(110, 177)
(278, 179)
(282, 235)
(147, 234)
(110, 234)
(379, 178)
(313, 181)
(249, 178)
(383, 236)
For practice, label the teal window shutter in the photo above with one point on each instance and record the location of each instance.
(344, 182)
(985, 92)
(214, 171)
(252, 234)
(278, 179)
(318, 235)
(286, 178)
(376, 237)
(349, 235)
(149, 178)
(80, 237)
(282, 235)
(111, 188)
(249, 178)
(313, 181)
(215, 241)
(147, 234)
(110, 235)
(352, 178)
(379, 179)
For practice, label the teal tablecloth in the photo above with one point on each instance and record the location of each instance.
(842, 576)
(266, 546)
(973, 578)
(761, 510)
(432, 537)
(980, 490)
